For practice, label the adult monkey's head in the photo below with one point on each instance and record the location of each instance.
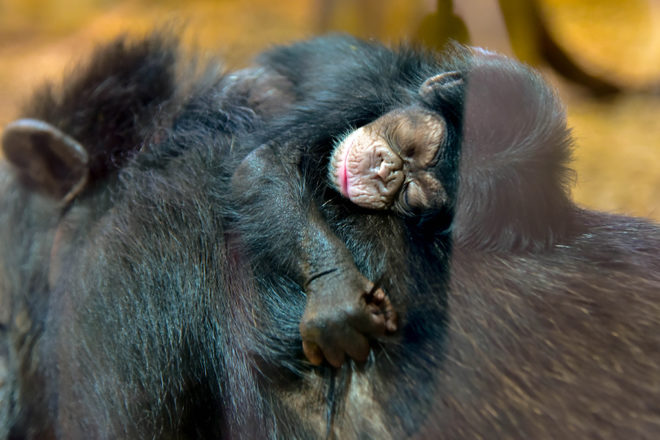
(389, 163)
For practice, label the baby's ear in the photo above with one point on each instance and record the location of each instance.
(441, 86)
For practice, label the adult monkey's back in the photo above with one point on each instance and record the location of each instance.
(160, 325)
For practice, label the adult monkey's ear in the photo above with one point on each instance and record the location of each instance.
(443, 86)
(46, 158)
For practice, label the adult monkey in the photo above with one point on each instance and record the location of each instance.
(128, 167)
(184, 334)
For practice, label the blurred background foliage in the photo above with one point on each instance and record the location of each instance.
(602, 55)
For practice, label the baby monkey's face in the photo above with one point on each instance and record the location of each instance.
(387, 164)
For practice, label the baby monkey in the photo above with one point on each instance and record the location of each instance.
(393, 162)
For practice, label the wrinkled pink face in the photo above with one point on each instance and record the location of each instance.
(386, 163)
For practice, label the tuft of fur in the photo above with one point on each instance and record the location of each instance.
(112, 101)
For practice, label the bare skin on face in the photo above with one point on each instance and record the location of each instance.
(384, 165)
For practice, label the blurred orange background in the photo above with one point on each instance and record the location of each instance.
(617, 156)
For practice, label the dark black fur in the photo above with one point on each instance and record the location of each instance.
(153, 306)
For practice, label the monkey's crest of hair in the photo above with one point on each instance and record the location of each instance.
(125, 87)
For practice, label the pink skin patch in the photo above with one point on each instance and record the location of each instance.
(344, 172)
